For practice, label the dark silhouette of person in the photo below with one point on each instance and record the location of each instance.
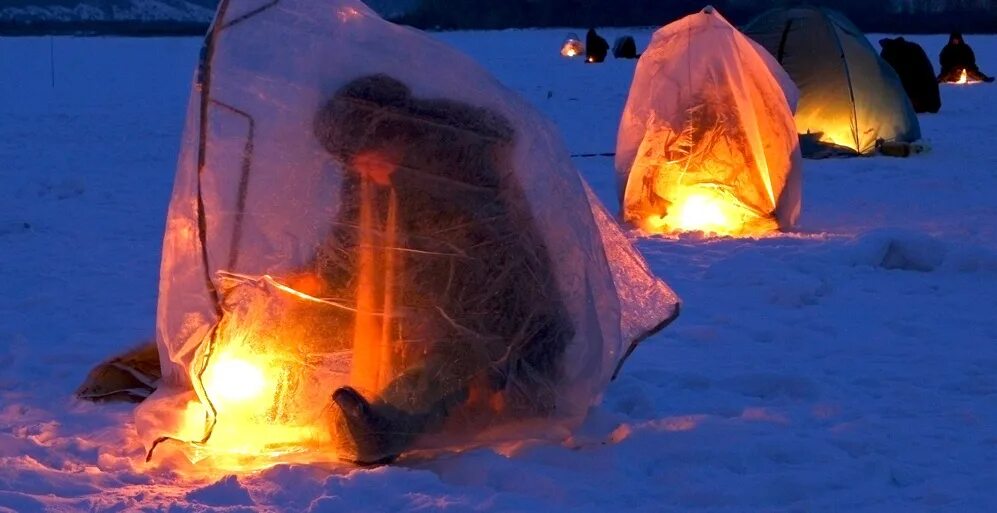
(957, 56)
(596, 47)
(915, 71)
(477, 324)
(625, 48)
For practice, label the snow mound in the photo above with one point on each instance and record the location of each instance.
(907, 250)
(225, 492)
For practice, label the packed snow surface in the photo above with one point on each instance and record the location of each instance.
(849, 366)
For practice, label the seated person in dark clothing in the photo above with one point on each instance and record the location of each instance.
(956, 57)
(596, 47)
(625, 48)
(436, 245)
(915, 71)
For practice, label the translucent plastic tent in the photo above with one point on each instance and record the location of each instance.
(375, 248)
(849, 96)
(707, 140)
(572, 46)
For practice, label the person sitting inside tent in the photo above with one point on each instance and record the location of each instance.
(959, 62)
(596, 47)
(699, 149)
(915, 71)
(475, 317)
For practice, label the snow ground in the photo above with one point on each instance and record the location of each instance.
(851, 366)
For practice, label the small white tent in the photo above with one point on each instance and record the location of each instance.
(707, 140)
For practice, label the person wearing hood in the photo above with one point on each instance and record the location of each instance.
(916, 74)
(477, 323)
(596, 47)
(956, 57)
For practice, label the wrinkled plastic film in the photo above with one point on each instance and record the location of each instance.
(707, 140)
(379, 214)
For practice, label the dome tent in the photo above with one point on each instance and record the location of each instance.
(848, 94)
(572, 46)
(386, 226)
(707, 140)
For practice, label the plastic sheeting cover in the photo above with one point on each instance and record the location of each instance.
(362, 212)
(572, 46)
(707, 140)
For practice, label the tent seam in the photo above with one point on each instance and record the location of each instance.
(848, 77)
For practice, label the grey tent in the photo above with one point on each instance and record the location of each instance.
(849, 96)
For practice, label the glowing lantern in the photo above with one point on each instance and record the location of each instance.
(702, 212)
(258, 397)
(233, 382)
(248, 392)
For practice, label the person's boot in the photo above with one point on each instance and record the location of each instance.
(372, 433)
(381, 431)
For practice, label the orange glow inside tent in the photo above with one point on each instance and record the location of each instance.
(697, 211)
(707, 141)
(572, 48)
(253, 402)
(244, 390)
(264, 398)
(705, 209)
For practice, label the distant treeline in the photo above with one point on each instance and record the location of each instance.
(931, 16)
(871, 15)
(103, 28)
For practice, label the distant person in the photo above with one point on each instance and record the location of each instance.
(596, 47)
(625, 48)
(956, 57)
(916, 73)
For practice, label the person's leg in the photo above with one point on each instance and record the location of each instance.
(521, 370)
(418, 401)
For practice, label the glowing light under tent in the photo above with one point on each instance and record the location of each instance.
(964, 78)
(700, 209)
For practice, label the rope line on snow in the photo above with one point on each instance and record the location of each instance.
(589, 155)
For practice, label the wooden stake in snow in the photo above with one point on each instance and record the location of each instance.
(51, 59)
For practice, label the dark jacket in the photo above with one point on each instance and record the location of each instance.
(596, 47)
(445, 251)
(956, 57)
(915, 71)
